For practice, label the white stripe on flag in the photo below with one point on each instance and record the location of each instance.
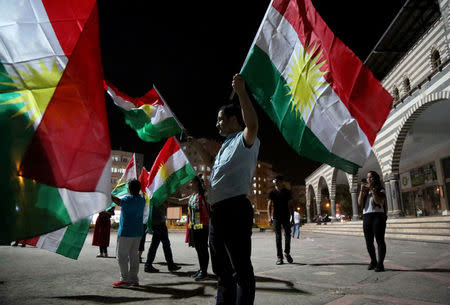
(174, 163)
(51, 240)
(160, 114)
(119, 101)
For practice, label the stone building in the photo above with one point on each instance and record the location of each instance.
(412, 150)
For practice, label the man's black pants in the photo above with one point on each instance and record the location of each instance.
(200, 237)
(230, 232)
(285, 223)
(160, 234)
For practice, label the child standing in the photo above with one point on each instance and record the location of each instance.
(129, 234)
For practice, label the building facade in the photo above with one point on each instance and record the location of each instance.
(412, 150)
(120, 161)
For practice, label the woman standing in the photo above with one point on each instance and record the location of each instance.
(373, 198)
(198, 230)
(102, 231)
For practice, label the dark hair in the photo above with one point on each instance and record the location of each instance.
(279, 178)
(199, 181)
(134, 186)
(233, 110)
(377, 179)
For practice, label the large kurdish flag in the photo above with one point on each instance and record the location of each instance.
(170, 171)
(55, 150)
(148, 115)
(327, 105)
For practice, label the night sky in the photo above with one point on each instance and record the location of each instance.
(190, 51)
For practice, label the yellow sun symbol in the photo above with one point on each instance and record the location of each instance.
(35, 90)
(148, 109)
(305, 79)
(163, 171)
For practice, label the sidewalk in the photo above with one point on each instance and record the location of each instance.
(326, 270)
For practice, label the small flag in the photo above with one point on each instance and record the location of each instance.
(327, 105)
(121, 189)
(170, 171)
(148, 115)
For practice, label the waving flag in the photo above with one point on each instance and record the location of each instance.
(148, 115)
(170, 171)
(55, 150)
(121, 189)
(327, 105)
(143, 179)
(67, 241)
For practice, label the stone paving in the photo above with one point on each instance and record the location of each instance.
(326, 270)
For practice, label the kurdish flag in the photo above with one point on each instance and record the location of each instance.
(170, 171)
(55, 150)
(148, 115)
(327, 105)
(67, 241)
(121, 189)
(143, 179)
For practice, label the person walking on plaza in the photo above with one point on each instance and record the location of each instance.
(296, 227)
(280, 214)
(160, 235)
(102, 231)
(231, 217)
(129, 234)
(373, 199)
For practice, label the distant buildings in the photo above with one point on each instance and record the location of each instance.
(120, 161)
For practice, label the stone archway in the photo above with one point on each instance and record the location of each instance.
(392, 185)
(311, 209)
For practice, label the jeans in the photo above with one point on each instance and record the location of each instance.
(160, 234)
(201, 246)
(374, 225)
(230, 232)
(287, 236)
(296, 228)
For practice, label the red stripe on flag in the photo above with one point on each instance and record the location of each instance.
(150, 98)
(168, 150)
(363, 95)
(143, 179)
(71, 146)
(68, 19)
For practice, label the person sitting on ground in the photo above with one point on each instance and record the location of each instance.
(129, 234)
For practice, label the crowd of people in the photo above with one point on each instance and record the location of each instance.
(209, 214)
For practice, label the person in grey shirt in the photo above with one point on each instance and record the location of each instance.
(231, 217)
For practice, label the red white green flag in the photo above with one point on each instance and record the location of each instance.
(143, 179)
(169, 172)
(55, 150)
(121, 189)
(67, 241)
(148, 115)
(327, 105)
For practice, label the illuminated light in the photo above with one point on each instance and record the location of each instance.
(298, 209)
(327, 205)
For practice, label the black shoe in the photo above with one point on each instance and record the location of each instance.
(174, 267)
(150, 269)
(140, 260)
(379, 268)
(279, 261)
(289, 258)
(371, 266)
(201, 276)
(195, 274)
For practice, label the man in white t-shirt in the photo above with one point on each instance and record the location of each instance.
(296, 226)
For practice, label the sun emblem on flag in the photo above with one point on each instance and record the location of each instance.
(306, 78)
(34, 89)
(163, 171)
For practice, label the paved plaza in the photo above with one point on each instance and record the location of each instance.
(326, 270)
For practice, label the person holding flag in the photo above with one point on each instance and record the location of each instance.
(234, 166)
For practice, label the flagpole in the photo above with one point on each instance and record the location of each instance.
(253, 43)
(170, 110)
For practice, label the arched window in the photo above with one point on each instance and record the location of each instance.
(435, 59)
(406, 85)
(395, 94)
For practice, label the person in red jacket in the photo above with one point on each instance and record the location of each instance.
(198, 227)
(102, 231)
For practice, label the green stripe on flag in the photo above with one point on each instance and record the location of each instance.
(268, 85)
(173, 182)
(139, 121)
(73, 240)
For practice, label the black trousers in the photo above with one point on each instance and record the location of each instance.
(142, 242)
(200, 237)
(286, 224)
(374, 225)
(230, 232)
(160, 234)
